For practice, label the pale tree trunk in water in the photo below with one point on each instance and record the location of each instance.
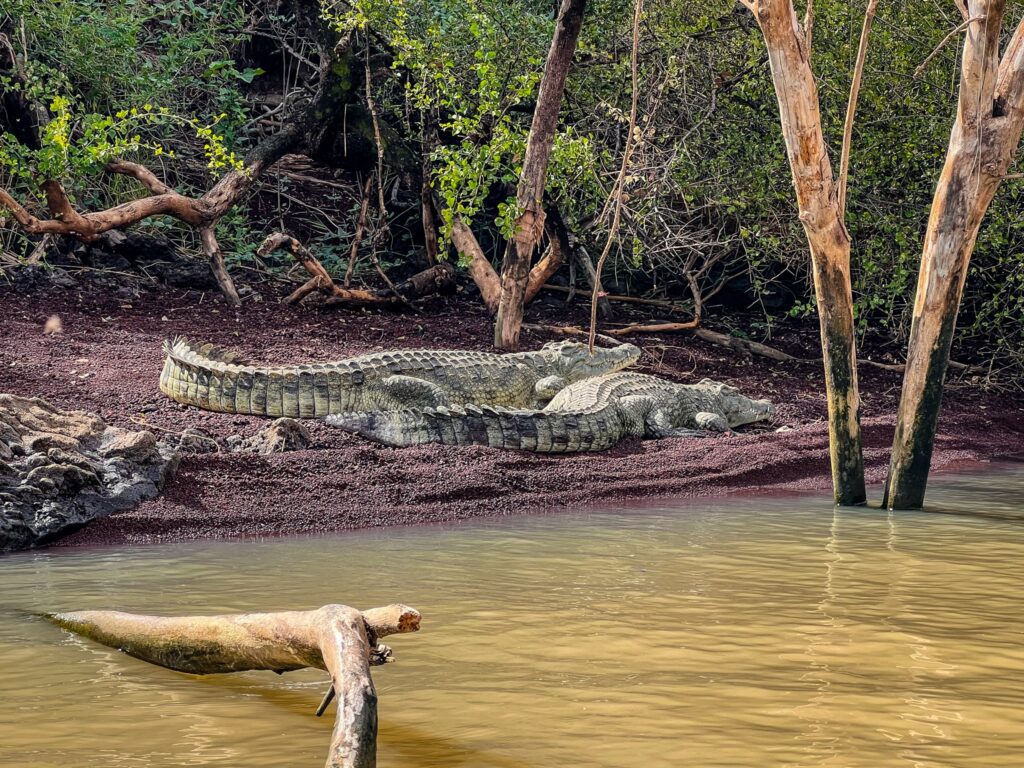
(336, 638)
(515, 270)
(822, 219)
(990, 115)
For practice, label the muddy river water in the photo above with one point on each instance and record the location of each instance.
(744, 632)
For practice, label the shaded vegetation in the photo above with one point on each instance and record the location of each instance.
(188, 86)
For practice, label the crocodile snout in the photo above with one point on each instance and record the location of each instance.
(752, 411)
(762, 410)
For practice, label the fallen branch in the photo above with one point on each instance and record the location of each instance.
(670, 305)
(566, 330)
(724, 340)
(437, 278)
(336, 638)
(655, 328)
(320, 279)
(752, 347)
(763, 350)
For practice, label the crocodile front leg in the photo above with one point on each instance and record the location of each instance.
(660, 424)
(396, 393)
(711, 422)
(545, 389)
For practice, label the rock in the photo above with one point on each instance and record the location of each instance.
(59, 470)
(282, 435)
(62, 279)
(135, 446)
(196, 441)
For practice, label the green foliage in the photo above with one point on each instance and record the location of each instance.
(734, 162)
(113, 53)
(475, 65)
(75, 147)
(709, 176)
(124, 79)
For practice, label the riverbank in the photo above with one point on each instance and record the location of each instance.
(107, 359)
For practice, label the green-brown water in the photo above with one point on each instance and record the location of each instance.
(746, 632)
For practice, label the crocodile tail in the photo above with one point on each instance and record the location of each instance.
(180, 371)
(210, 377)
(406, 427)
(524, 430)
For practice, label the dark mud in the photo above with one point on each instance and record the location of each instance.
(108, 359)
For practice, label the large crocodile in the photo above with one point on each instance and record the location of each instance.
(212, 378)
(590, 415)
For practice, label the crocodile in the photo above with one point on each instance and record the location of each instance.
(590, 415)
(214, 379)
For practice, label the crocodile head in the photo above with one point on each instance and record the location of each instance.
(737, 408)
(572, 360)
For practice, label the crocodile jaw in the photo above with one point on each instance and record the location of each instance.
(748, 412)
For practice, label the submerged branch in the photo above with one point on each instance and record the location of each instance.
(336, 638)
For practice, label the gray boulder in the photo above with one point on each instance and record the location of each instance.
(61, 469)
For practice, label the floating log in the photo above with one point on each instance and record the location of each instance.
(336, 638)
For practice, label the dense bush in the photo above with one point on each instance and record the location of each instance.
(708, 191)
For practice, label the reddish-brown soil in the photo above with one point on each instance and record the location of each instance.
(108, 358)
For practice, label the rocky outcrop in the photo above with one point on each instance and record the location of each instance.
(61, 469)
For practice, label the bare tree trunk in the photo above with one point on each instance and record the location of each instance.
(335, 638)
(428, 214)
(990, 116)
(515, 269)
(822, 219)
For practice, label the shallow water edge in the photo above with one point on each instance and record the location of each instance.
(754, 631)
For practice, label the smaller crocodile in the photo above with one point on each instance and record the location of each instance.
(590, 415)
(214, 379)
